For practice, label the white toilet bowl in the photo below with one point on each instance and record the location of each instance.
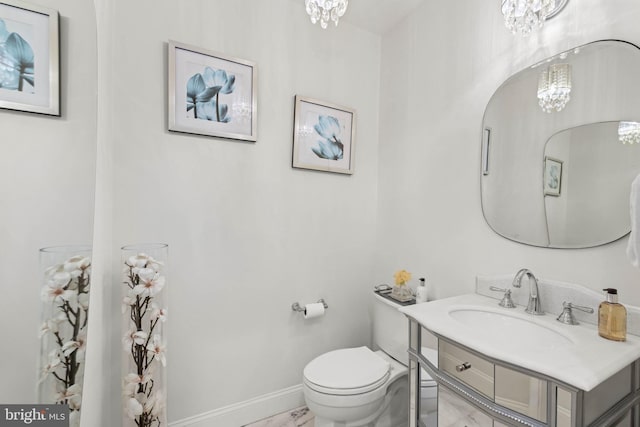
(358, 387)
(349, 386)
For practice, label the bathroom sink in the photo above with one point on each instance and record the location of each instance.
(574, 354)
(518, 330)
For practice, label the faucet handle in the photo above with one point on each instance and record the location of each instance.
(567, 316)
(506, 301)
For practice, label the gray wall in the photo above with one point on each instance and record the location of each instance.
(433, 95)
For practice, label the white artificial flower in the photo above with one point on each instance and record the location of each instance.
(52, 364)
(55, 291)
(75, 273)
(61, 278)
(139, 260)
(128, 301)
(157, 348)
(134, 336)
(151, 282)
(132, 381)
(78, 345)
(52, 325)
(133, 408)
(77, 262)
(47, 326)
(158, 313)
(72, 395)
(143, 260)
(154, 264)
(75, 402)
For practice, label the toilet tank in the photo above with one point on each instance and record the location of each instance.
(390, 329)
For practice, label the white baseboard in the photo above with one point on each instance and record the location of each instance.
(242, 413)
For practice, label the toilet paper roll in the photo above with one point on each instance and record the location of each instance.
(313, 310)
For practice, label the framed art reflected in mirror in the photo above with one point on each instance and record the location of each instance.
(552, 176)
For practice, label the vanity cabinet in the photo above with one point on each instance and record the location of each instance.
(475, 390)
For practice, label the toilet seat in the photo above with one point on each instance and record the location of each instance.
(347, 371)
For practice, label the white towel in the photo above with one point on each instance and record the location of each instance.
(633, 247)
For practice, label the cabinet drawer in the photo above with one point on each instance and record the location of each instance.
(472, 370)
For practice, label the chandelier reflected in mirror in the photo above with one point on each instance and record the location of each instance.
(326, 10)
(523, 16)
(629, 132)
(554, 87)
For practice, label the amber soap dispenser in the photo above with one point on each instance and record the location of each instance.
(612, 317)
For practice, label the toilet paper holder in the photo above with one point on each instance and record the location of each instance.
(300, 309)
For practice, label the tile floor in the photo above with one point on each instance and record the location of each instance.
(295, 418)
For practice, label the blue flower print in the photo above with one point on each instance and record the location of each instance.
(203, 94)
(210, 111)
(331, 148)
(16, 60)
(198, 92)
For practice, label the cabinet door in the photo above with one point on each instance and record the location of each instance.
(521, 393)
(455, 412)
(563, 408)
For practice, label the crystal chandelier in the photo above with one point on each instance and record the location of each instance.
(325, 10)
(523, 16)
(629, 132)
(554, 87)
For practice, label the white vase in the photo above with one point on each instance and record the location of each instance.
(66, 282)
(144, 306)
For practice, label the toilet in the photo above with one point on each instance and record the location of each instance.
(354, 387)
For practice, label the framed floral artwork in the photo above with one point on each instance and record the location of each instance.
(211, 94)
(29, 58)
(323, 136)
(552, 176)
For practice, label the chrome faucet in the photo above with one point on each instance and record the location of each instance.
(534, 306)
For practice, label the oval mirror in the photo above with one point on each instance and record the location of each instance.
(561, 146)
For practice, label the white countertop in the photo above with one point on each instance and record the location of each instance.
(583, 359)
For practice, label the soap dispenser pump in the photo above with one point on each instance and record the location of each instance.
(612, 317)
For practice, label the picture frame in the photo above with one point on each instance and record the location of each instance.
(552, 176)
(315, 123)
(211, 94)
(29, 58)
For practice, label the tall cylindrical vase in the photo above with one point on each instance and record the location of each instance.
(144, 307)
(66, 282)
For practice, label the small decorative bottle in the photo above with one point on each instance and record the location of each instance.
(421, 292)
(612, 317)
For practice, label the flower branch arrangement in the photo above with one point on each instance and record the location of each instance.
(143, 341)
(401, 291)
(64, 330)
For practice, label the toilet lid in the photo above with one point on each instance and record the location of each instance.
(346, 371)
